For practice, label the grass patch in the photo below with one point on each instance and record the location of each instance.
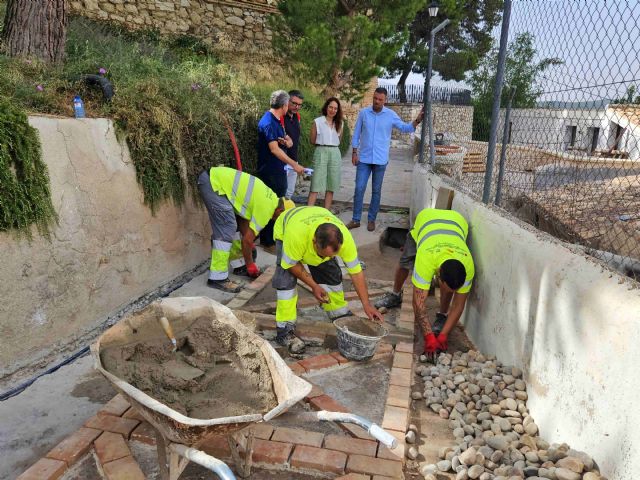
(172, 100)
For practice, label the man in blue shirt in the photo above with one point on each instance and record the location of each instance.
(371, 141)
(272, 158)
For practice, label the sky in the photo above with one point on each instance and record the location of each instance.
(597, 40)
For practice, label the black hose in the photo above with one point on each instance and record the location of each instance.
(20, 388)
(102, 82)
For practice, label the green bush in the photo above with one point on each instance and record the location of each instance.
(25, 198)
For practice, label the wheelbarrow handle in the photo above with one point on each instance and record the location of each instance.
(372, 429)
(207, 461)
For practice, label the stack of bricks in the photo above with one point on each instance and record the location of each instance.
(106, 433)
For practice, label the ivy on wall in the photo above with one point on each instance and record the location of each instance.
(25, 198)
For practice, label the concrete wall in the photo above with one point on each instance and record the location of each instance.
(570, 323)
(230, 25)
(106, 251)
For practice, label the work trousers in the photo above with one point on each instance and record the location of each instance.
(226, 244)
(328, 275)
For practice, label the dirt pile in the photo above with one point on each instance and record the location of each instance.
(213, 374)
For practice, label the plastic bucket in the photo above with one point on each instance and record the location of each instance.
(358, 338)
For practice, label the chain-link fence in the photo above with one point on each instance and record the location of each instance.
(570, 163)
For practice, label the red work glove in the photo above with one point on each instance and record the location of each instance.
(442, 340)
(431, 345)
(253, 270)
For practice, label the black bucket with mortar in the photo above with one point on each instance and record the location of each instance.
(358, 338)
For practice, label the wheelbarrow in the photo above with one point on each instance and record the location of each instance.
(179, 437)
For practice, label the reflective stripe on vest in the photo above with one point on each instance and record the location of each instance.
(247, 195)
(437, 220)
(440, 232)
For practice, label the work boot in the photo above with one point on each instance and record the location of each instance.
(438, 323)
(353, 224)
(287, 338)
(389, 300)
(371, 226)
(225, 285)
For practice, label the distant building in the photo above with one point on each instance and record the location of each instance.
(612, 132)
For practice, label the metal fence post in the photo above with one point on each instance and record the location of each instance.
(497, 92)
(503, 149)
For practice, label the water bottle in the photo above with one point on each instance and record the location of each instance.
(78, 107)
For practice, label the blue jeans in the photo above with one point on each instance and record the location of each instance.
(362, 178)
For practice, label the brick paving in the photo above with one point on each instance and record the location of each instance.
(318, 459)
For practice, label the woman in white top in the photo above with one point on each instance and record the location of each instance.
(327, 161)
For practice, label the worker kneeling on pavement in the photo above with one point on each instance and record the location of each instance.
(435, 246)
(239, 206)
(313, 236)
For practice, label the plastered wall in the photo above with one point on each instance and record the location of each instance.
(572, 325)
(106, 251)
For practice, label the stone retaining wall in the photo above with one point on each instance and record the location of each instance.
(230, 25)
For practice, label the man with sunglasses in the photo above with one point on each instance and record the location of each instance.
(314, 237)
(291, 124)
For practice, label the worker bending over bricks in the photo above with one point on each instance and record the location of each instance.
(239, 206)
(313, 236)
(436, 246)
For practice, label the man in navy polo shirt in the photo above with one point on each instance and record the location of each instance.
(271, 156)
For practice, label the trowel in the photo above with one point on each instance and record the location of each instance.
(166, 326)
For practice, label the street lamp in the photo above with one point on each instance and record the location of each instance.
(433, 11)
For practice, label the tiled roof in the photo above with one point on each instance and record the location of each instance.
(628, 111)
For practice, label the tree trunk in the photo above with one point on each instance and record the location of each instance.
(401, 84)
(36, 28)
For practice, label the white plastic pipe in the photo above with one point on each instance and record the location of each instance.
(207, 461)
(374, 430)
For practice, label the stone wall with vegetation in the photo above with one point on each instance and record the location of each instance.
(229, 25)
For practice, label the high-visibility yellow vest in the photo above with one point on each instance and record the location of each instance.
(296, 229)
(250, 197)
(440, 235)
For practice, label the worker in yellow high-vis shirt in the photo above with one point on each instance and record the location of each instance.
(313, 236)
(239, 206)
(435, 246)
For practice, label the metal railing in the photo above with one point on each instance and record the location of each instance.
(415, 92)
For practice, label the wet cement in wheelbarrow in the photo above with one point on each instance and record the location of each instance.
(212, 375)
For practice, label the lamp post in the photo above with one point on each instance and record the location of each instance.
(433, 11)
